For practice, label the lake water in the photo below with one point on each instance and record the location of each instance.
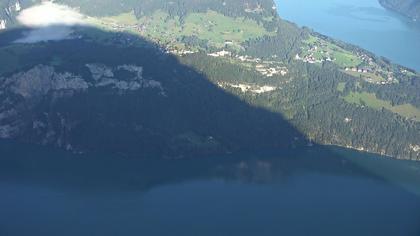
(313, 191)
(361, 22)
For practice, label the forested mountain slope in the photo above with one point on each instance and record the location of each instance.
(187, 77)
(410, 8)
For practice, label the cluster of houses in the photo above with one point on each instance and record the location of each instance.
(310, 58)
(365, 58)
(370, 67)
(388, 80)
(359, 70)
(268, 71)
(256, 9)
(252, 88)
(264, 68)
(178, 51)
(248, 59)
(222, 53)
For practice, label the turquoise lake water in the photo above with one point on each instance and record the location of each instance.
(313, 191)
(361, 22)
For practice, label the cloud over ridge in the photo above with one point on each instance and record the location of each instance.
(50, 21)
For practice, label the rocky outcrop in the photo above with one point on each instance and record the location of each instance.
(40, 80)
(22, 92)
(104, 76)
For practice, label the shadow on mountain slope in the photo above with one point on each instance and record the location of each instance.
(117, 93)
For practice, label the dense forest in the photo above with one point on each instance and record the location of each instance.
(312, 103)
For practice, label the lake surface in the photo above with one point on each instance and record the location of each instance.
(313, 191)
(361, 22)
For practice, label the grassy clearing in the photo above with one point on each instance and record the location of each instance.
(212, 26)
(369, 99)
(370, 77)
(407, 110)
(341, 86)
(160, 26)
(343, 58)
(321, 50)
(311, 40)
(346, 59)
(218, 28)
(126, 18)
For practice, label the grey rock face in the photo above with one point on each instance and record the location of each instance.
(27, 98)
(23, 91)
(39, 80)
(99, 71)
(104, 76)
(42, 79)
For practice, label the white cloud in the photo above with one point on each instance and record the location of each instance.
(49, 21)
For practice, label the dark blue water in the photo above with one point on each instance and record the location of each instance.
(315, 191)
(361, 22)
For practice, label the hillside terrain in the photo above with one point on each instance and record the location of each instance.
(409, 8)
(190, 77)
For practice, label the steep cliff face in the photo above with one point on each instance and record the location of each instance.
(409, 8)
(23, 94)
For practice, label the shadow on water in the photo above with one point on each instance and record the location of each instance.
(219, 136)
(250, 193)
(55, 168)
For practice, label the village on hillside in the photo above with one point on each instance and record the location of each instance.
(357, 64)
